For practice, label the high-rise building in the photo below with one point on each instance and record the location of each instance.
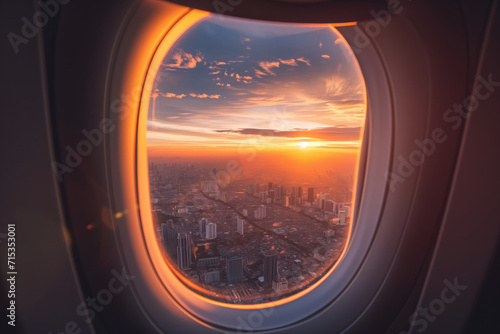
(260, 212)
(330, 206)
(163, 233)
(245, 212)
(287, 201)
(270, 269)
(170, 239)
(240, 223)
(299, 194)
(321, 201)
(203, 228)
(269, 186)
(271, 195)
(211, 231)
(234, 269)
(212, 276)
(163, 237)
(263, 197)
(347, 210)
(310, 195)
(342, 217)
(251, 189)
(257, 188)
(184, 250)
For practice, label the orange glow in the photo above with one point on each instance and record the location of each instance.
(304, 144)
(166, 271)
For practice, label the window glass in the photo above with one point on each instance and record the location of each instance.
(254, 132)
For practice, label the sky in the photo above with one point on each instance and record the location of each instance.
(229, 83)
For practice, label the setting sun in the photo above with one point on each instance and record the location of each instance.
(304, 144)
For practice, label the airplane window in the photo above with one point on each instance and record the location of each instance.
(253, 138)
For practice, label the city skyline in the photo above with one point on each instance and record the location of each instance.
(253, 149)
(304, 226)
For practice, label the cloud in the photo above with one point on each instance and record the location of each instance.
(326, 133)
(325, 56)
(268, 65)
(289, 62)
(302, 59)
(259, 73)
(339, 41)
(179, 96)
(338, 86)
(216, 72)
(204, 96)
(185, 60)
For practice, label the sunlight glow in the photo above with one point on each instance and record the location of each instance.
(304, 144)
(212, 114)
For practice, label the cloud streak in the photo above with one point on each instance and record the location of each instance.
(327, 133)
(183, 60)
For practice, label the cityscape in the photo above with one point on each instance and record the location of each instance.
(248, 240)
(253, 137)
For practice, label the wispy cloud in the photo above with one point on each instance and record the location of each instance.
(306, 61)
(305, 92)
(327, 133)
(178, 96)
(289, 62)
(268, 65)
(259, 73)
(184, 60)
(204, 96)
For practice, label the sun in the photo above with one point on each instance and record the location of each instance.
(304, 144)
